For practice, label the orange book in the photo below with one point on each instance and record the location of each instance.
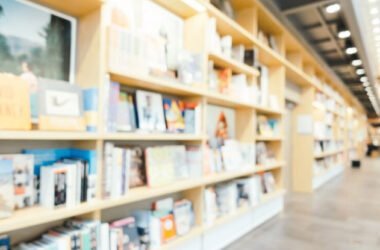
(168, 230)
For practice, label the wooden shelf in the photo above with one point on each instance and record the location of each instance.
(235, 66)
(326, 154)
(269, 138)
(152, 137)
(151, 83)
(227, 101)
(268, 111)
(28, 217)
(178, 7)
(296, 75)
(225, 176)
(266, 167)
(47, 135)
(179, 240)
(72, 7)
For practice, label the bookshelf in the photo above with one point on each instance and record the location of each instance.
(288, 62)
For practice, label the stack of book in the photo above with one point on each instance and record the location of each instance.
(145, 229)
(49, 177)
(126, 168)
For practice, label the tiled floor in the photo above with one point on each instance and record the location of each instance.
(342, 215)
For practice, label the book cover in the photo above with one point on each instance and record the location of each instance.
(54, 186)
(23, 179)
(112, 109)
(184, 216)
(150, 111)
(123, 116)
(143, 218)
(6, 188)
(224, 80)
(168, 230)
(5, 242)
(192, 115)
(190, 67)
(174, 115)
(130, 237)
(194, 161)
(132, 111)
(220, 125)
(180, 164)
(159, 166)
(90, 108)
(269, 183)
(137, 175)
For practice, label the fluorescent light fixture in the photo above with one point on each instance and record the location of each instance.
(343, 34)
(351, 50)
(360, 71)
(374, 11)
(376, 21)
(363, 79)
(195, 5)
(332, 8)
(356, 62)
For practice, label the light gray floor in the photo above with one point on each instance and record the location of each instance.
(342, 215)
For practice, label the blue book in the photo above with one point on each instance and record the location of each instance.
(5, 242)
(7, 198)
(90, 105)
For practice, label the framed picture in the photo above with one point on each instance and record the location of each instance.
(60, 106)
(36, 42)
(150, 111)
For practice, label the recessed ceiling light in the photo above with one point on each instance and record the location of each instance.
(332, 8)
(375, 21)
(374, 11)
(351, 50)
(357, 62)
(344, 34)
(363, 79)
(360, 71)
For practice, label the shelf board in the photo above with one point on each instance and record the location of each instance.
(235, 66)
(326, 154)
(296, 75)
(225, 176)
(227, 26)
(152, 137)
(268, 138)
(72, 7)
(151, 83)
(267, 55)
(266, 167)
(178, 7)
(33, 216)
(268, 111)
(268, 197)
(179, 240)
(227, 101)
(47, 135)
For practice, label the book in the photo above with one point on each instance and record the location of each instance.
(23, 179)
(159, 164)
(168, 229)
(194, 161)
(184, 216)
(210, 206)
(268, 182)
(128, 235)
(251, 57)
(90, 108)
(143, 220)
(224, 80)
(220, 125)
(150, 111)
(174, 115)
(7, 197)
(190, 67)
(238, 53)
(5, 242)
(137, 175)
(263, 86)
(113, 105)
(132, 110)
(193, 117)
(123, 116)
(54, 181)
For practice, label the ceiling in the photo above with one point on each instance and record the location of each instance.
(320, 29)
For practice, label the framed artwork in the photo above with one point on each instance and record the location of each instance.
(36, 42)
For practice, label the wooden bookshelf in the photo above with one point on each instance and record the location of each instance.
(92, 69)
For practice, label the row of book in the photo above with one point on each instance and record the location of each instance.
(226, 198)
(328, 146)
(144, 229)
(47, 177)
(322, 165)
(149, 112)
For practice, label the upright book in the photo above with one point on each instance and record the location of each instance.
(6, 188)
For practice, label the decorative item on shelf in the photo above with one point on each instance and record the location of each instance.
(60, 106)
(14, 103)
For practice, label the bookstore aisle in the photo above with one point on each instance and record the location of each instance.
(344, 214)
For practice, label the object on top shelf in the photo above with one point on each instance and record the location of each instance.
(267, 127)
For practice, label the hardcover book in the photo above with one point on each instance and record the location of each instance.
(174, 114)
(137, 176)
(184, 216)
(150, 111)
(6, 188)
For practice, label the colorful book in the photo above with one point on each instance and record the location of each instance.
(130, 237)
(137, 175)
(150, 111)
(6, 188)
(90, 108)
(174, 115)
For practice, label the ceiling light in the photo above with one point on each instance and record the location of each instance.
(332, 8)
(194, 4)
(343, 34)
(351, 50)
(356, 62)
(374, 11)
(360, 71)
(375, 21)
(363, 79)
